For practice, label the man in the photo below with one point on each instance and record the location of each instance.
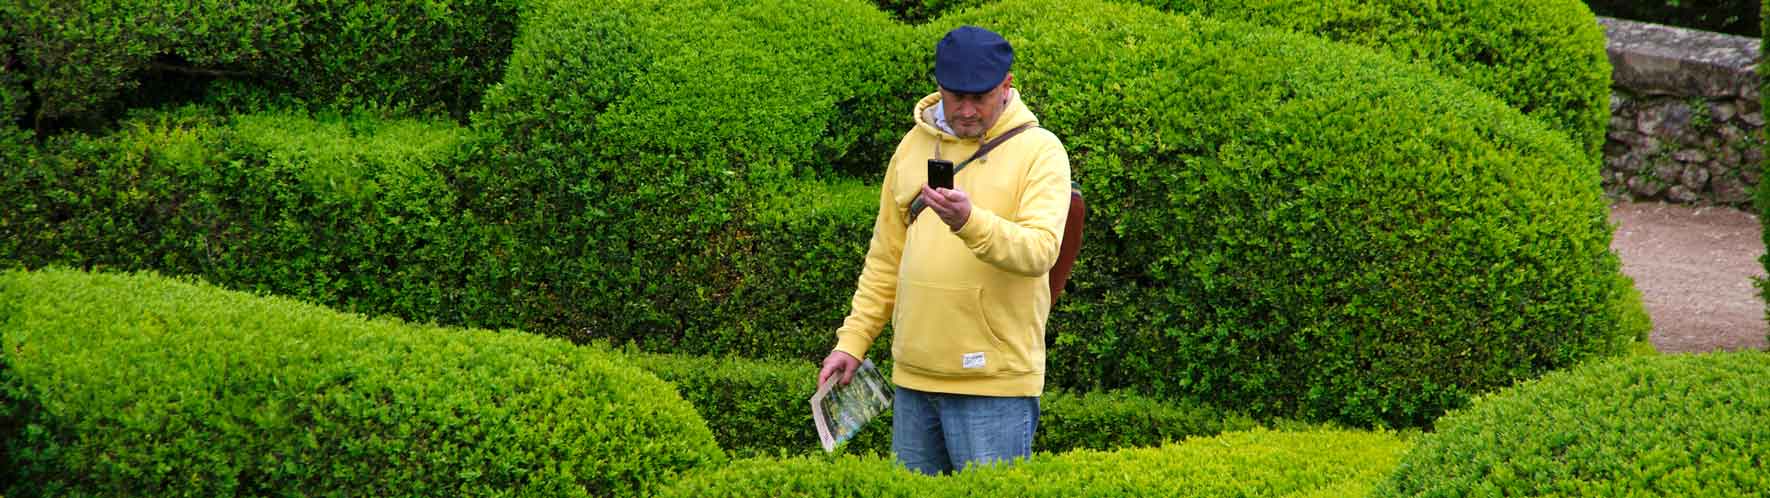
(963, 279)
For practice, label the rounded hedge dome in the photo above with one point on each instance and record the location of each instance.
(1303, 227)
(1685, 425)
(1277, 222)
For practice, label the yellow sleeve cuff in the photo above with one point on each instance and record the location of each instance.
(853, 345)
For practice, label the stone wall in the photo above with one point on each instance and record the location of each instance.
(1686, 125)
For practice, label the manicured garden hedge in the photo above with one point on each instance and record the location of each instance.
(1259, 463)
(1675, 425)
(1293, 227)
(142, 386)
(760, 408)
(355, 212)
(633, 150)
(1543, 57)
(1255, 250)
(13, 98)
(1279, 224)
(1546, 58)
(1763, 192)
(1738, 17)
(83, 58)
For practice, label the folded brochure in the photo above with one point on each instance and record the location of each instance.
(840, 411)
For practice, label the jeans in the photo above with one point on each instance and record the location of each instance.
(938, 433)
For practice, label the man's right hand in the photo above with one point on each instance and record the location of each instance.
(838, 363)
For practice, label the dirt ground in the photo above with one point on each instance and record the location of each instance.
(1694, 266)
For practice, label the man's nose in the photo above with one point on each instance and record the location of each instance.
(966, 109)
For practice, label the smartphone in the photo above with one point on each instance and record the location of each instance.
(940, 174)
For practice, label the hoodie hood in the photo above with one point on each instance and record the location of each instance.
(1014, 115)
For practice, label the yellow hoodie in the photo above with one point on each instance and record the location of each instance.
(968, 307)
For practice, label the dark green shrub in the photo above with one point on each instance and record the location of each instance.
(13, 98)
(634, 148)
(1260, 463)
(1674, 425)
(1299, 228)
(1279, 224)
(1738, 17)
(1763, 190)
(760, 408)
(142, 386)
(354, 212)
(438, 55)
(1546, 58)
(920, 11)
(778, 304)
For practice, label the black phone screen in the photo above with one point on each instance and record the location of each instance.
(940, 173)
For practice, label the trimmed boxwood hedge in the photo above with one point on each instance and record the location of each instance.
(1738, 17)
(1258, 463)
(632, 148)
(760, 408)
(355, 212)
(135, 385)
(1673, 425)
(1763, 192)
(1544, 57)
(1294, 227)
(13, 98)
(1253, 254)
(81, 57)
(1279, 224)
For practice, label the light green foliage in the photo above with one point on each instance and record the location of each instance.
(1543, 57)
(760, 408)
(351, 211)
(1299, 228)
(621, 114)
(1672, 425)
(142, 386)
(1279, 224)
(1258, 463)
(1763, 191)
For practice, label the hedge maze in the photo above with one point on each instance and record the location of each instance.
(1315, 230)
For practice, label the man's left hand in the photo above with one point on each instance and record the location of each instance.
(952, 205)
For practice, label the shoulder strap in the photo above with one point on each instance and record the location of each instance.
(991, 145)
(916, 205)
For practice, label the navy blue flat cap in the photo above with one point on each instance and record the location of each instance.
(971, 60)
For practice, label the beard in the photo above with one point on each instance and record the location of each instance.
(967, 130)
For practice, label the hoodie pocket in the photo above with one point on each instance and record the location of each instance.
(941, 330)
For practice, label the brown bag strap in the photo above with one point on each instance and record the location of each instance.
(916, 205)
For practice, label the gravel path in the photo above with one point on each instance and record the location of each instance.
(1694, 266)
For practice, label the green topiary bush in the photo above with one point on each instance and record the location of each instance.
(1738, 17)
(633, 148)
(1306, 229)
(81, 58)
(141, 386)
(1674, 425)
(355, 212)
(13, 99)
(760, 408)
(1253, 255)
(1279, 224)
(1546, 58)
(1763, 191)
(1259, 463)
